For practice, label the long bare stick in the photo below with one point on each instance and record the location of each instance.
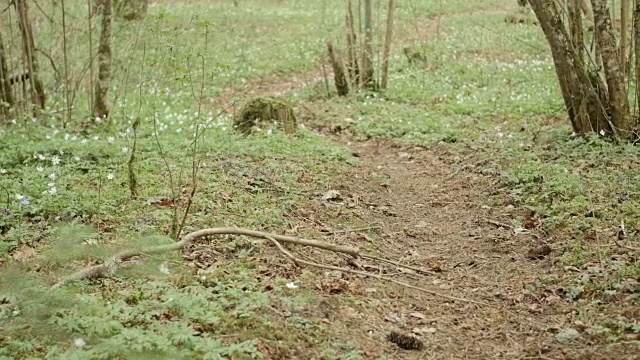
(379, 277)
(110, 265)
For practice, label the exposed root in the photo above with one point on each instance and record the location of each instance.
(110, 265)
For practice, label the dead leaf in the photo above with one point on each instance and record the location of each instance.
(538, 253)
(418, 315)
(437, 267)
(24, 253)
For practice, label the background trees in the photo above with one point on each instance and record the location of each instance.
(591, 54)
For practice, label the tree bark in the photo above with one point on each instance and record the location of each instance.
(581, 91)
(636, 38)
(338, 70)
(29, 49)
(352, 53)
(387, 45)
(101, 106)
(367, 54)
(619, 102)
(6, 96)
(624, 37)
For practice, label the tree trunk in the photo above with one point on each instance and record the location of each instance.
(387, 45)
(367, 54)
(100, 106)
(29, 50)
(636, 28)
(6, 97)
(619, 102)
(582, 92)
(624, 37)
(338, 70)
(352, 53)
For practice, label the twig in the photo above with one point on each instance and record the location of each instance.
(110, 265)
(375, 258)
(631, 248)
(499, 224)
(364, 273)
(333, 232)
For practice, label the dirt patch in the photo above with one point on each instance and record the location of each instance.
(413, 207)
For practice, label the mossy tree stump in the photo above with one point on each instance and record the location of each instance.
(261, 113)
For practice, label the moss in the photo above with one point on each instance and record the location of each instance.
(264, 112)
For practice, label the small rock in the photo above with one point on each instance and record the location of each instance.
(332, 195)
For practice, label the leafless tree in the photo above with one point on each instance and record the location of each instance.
(6, 97)
(29, 53)
(101, 106)
(596, 97)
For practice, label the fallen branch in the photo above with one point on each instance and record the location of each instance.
(111, 264)
(499, 224)
(379, 277)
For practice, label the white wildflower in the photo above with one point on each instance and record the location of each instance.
(292, 285)
(83, 141)
(79, 342)
(110, 176)
(41, 157)
(3, 171)
(164, 268)
(53, 176)
(40, 169)
(125, 149)
(52, 190)
(111, 139)
(19, 196)
(55, 160)
(602, 132)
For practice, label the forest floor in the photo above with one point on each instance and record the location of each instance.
(433, 207)
(464, 170)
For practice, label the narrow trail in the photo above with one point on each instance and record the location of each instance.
(423, 212)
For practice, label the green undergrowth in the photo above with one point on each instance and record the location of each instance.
(66, 201)
(487, 90)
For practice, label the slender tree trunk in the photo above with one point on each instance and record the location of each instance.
(387, 45)
(6, 96)
(29, 50)
(574, 14)
(338, 70)
(352, 52)
(580, 90)
(636, 39)
(619, 102)
(367, 54)
(101, 106)
(624, 37)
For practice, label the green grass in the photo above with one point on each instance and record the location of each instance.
(488, 91)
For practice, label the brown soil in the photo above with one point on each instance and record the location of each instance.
(422, 213)
(410, 204)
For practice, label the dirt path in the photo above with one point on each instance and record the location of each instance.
(433, 220)
(413, 206)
